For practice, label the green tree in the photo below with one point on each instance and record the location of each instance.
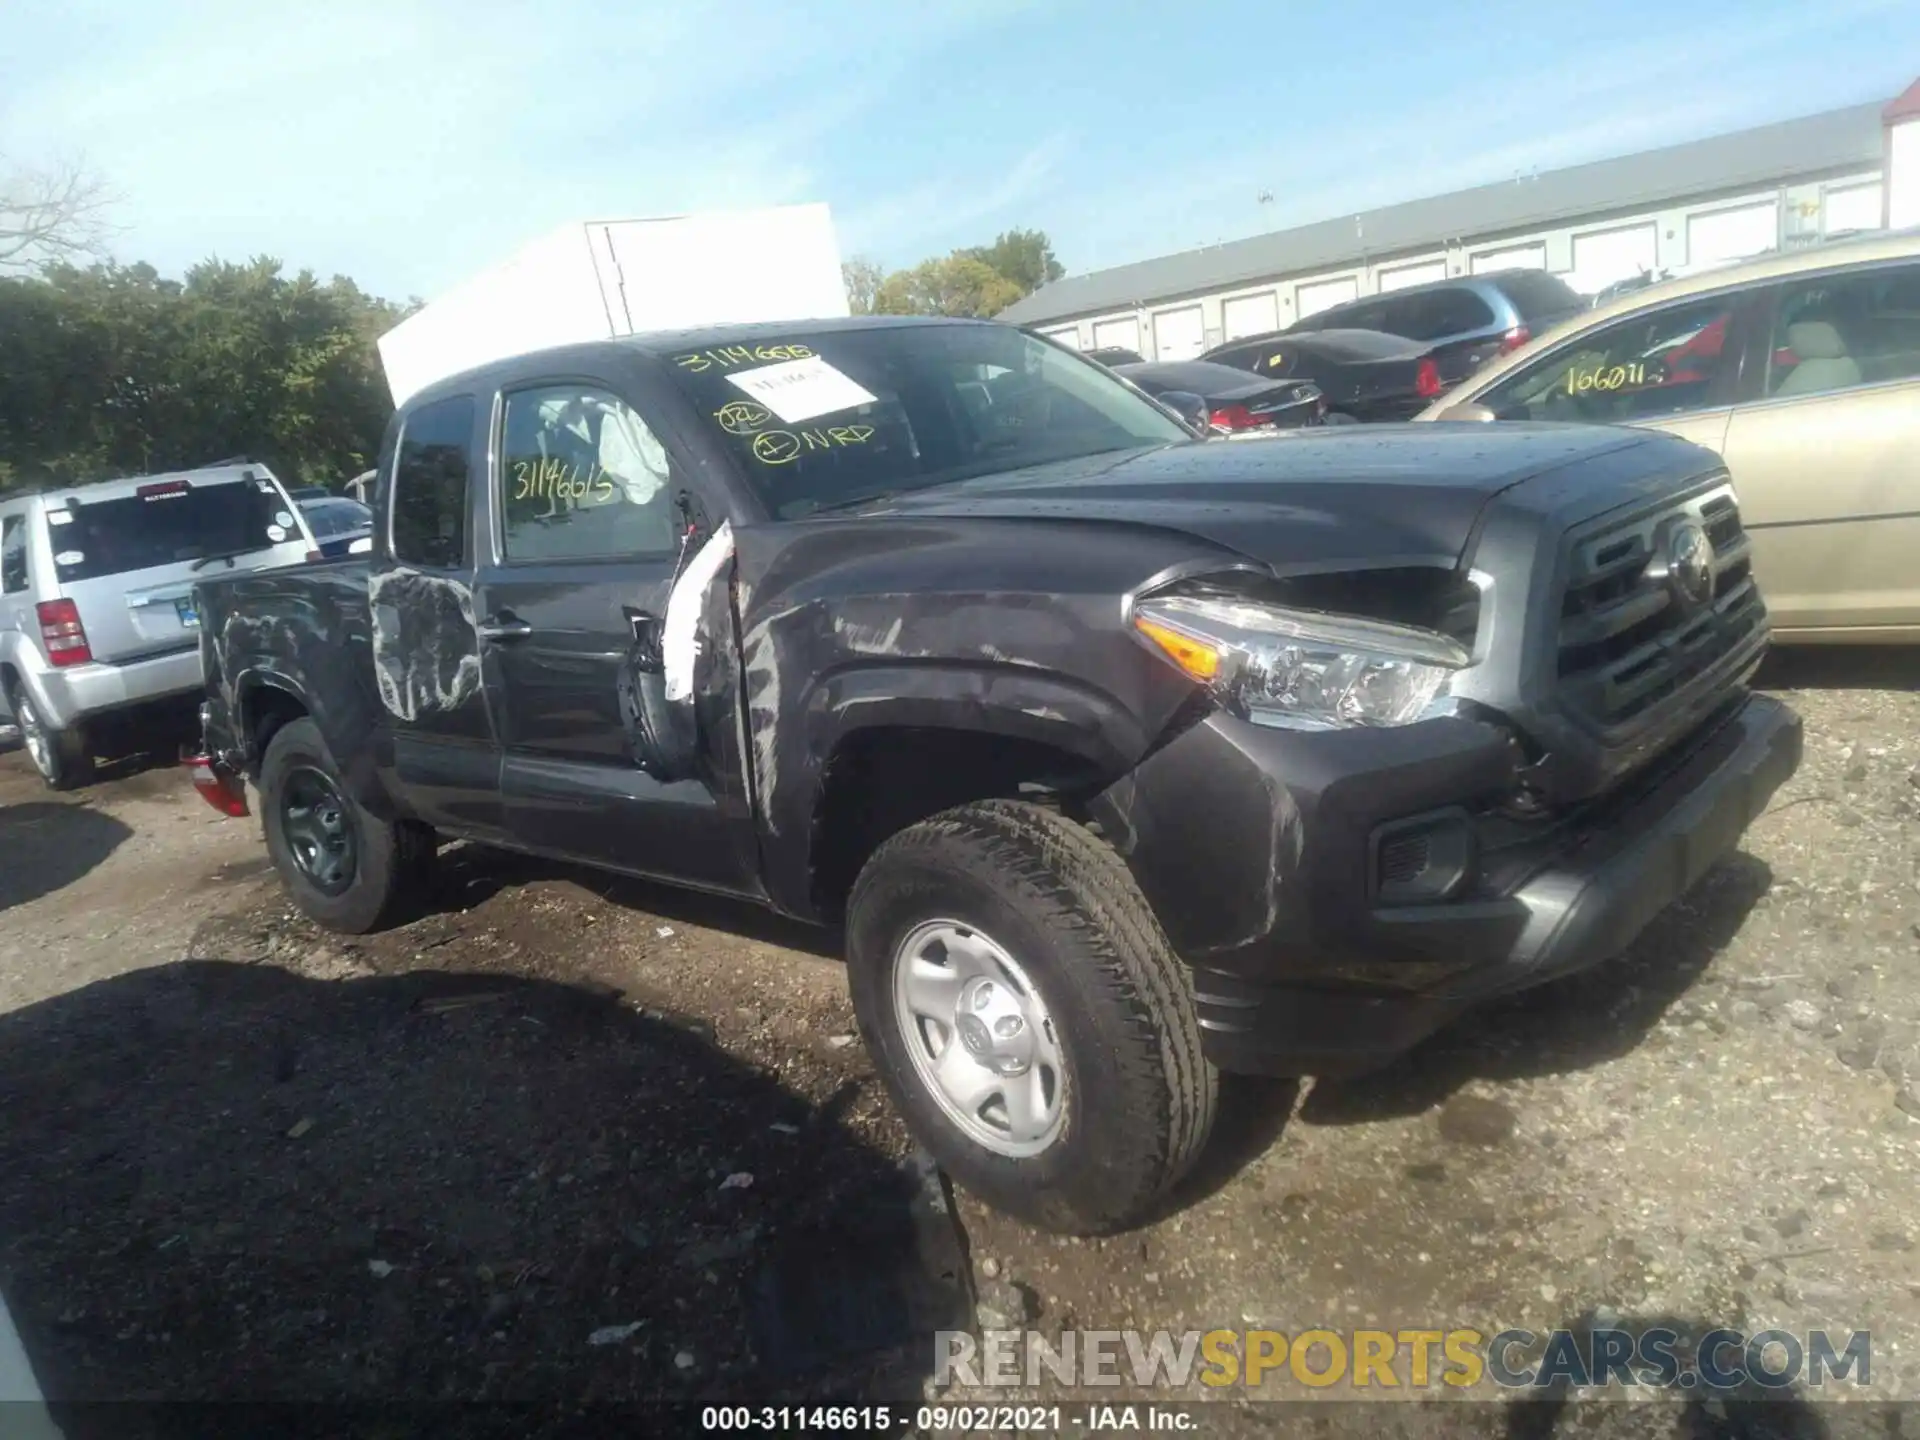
(113, 370)
(1024, 256)
(957, 285)
(981, 280)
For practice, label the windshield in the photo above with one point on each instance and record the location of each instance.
(821, 420)
(164, 524)
(327, 518)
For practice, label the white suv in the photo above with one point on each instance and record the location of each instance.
(97, 626)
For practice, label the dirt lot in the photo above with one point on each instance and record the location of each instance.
(569, 1140)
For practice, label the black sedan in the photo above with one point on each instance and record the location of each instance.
(1365, 374)
(1236, 403)
(336, 523)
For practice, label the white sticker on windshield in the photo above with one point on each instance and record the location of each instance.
(797, 390)
(69, 557)
(281, 517)
(266, 486)
(276, 533)
(59, 517)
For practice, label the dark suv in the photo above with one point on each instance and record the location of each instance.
(1467, 321)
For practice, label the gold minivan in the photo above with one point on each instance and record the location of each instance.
(1803, 371)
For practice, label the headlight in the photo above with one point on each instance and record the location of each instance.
(1300, 669)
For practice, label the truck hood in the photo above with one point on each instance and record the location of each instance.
(1384, 494)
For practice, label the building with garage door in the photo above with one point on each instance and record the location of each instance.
(1721, 198)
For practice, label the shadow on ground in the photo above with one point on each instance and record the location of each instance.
(1736, 1406)
(49, 844)
(225, 1181)
(1566, 1025)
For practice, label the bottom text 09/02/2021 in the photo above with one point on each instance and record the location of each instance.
(948, 1419)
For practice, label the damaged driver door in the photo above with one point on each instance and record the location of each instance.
(595, 530)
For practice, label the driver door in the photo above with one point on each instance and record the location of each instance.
(589, 511)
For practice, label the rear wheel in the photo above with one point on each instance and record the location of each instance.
(64, 758)
(1028, 1017)
(343, 865)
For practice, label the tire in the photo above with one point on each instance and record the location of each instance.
(309, 813)
(1339, 417)
(1134, 1096)
(64, 758)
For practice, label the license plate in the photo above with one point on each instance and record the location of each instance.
(188, 615)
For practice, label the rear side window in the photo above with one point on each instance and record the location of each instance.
(430, 476)
(165, 523)
(13, 554)
(1836, 332)
(1437, 314)
(1538, 295)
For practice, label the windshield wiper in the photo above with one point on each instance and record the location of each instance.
(225, 555)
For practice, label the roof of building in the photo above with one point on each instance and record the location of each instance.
(1835, 140)
(1903, 106)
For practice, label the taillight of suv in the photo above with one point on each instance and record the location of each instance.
(1514, 339)
(1426, 384)
(65, 637)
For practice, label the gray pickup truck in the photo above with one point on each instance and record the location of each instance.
(1122, 757)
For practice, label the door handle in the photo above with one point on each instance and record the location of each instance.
(504, 626)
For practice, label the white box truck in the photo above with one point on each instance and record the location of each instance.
(598, 279)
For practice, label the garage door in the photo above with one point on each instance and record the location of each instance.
(1401, 276)
(1605, 256)
(1070, 337)
(1178, 334)
(1312, 299)
(1733, 234)
(1250, 315)
(1124, 334)
(1853, 207)
(1513, 257)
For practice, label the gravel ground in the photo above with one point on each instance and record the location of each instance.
(243, 1158)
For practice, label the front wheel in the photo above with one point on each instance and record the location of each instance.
(1028, 1016)
(343, 865)
(63, 757)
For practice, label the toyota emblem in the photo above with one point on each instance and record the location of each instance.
(1690, 563)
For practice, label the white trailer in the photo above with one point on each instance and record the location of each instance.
(597, 279)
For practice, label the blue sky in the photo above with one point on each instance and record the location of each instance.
(409, 142)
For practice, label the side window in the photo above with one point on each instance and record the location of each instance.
(581, 475)
(1838, 331)
(1661, 363)
(13, 554)
(430, 471)
(1374, 315)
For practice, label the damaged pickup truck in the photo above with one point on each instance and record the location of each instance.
(1124, 758)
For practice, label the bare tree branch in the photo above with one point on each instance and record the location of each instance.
(56, 212)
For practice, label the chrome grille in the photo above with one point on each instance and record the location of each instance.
(1631, 637)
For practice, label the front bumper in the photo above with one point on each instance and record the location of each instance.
(1299, 968)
